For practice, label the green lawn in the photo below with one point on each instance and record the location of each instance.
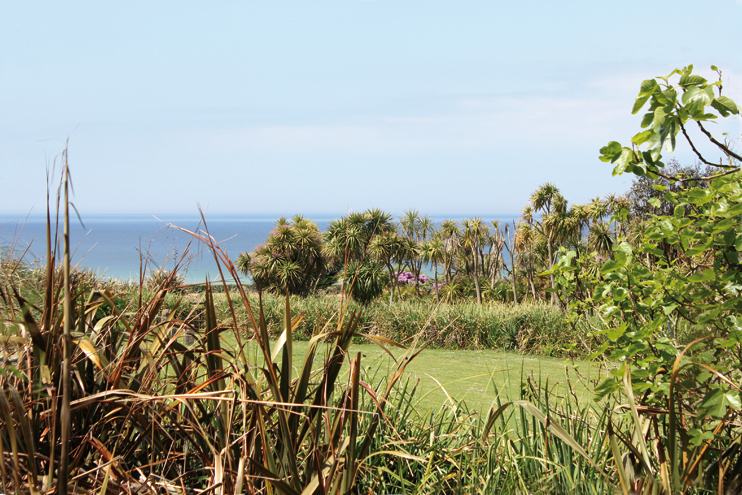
(470, 376)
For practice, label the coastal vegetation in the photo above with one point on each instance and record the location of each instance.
(466, 260)
(163, 387)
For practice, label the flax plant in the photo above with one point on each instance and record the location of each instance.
(99, 399)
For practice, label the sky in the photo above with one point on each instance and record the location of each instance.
(286, 107)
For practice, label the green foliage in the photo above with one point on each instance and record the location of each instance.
(291, 259)
(349, 237)
(670, 298)
(366, 280)
(671, 108)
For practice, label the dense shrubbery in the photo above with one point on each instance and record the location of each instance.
(535, 328)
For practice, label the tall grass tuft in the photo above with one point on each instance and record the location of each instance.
(516, 449)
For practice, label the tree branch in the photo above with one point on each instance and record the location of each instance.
(721, 146)
(708, 177)
(698, 153)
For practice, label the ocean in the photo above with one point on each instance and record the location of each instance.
(113, 245)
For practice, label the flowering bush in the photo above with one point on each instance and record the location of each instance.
(409, 278)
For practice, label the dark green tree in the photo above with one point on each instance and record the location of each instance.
(363, 245)
(366, 280)
(291, 259)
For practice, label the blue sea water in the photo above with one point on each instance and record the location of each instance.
(117, 245)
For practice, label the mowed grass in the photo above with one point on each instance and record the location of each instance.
(475, 377)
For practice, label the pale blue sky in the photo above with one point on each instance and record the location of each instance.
(327, 106)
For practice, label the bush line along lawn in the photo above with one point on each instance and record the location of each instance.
(528, 328)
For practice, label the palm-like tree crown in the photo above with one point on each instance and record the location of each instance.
(545, 197)
(290, 260)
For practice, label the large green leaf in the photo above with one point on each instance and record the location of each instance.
(704, 276)
(687, 80)
(660, 115)
(716, 402)
(697, 94)
(648, 87)
(624, 161)
(669, 129)
(610, 151)
(605, 388)
(725, 106)
(642, 137)
(669, 97)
